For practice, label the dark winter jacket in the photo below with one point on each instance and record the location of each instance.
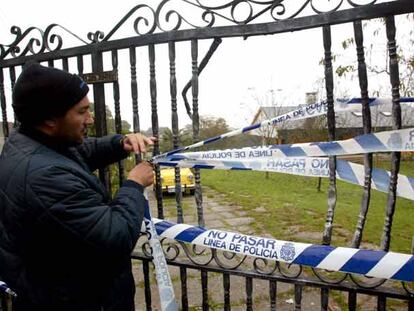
(63, 244)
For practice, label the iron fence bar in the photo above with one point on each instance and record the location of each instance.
(298, 297)
(366, 121)
(249, 294)
(196, 130)
(79, 64)
(147, 284)
(324, 298)
(134, 94)
(289, 25)
(99, 97)
(175, 129)
(3, 105)
(65, 64)
(100, 114)
(79, 60)
(155, 128)
(226, 288)
(213, 47)
(272, 295)
(411, 304)
(177, 176)
(204, 289)
(117, 109)
(184, 292)
(352, 300)
(329, 85)
(12, 74)
(381, 303)
(396, 116)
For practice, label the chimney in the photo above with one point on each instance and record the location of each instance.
(310, 97)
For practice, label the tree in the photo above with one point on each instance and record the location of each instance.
(209, 127)
(166, 139)
(110, 123)
(377, 56)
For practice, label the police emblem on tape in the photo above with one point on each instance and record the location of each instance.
(287, 252)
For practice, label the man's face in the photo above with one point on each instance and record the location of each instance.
(72, 127)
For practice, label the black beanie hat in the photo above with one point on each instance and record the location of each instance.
(42, 92)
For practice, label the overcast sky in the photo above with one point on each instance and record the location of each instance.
(241, 71)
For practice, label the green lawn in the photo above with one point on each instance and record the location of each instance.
(284, 205)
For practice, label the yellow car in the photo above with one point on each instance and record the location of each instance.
(168, 180)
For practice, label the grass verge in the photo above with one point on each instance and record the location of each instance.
(290, 207)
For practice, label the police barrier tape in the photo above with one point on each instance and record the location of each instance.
(307, 166)
(387, 141)
(372, 263)
(287, 250)
(302, 112)
(6, 289)
(371, 142)
(165, 286)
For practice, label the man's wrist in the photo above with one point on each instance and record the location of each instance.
(133, 184)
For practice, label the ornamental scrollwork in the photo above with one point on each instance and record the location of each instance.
(34, 37)
(35, 41)
(173, 15)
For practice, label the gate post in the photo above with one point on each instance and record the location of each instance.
(100, 112)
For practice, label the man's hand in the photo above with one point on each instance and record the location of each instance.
(143, 174)
(137, 142)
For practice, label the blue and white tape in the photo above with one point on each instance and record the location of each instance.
(6, 289)
(371, 263)
(307, 166)
(387, 141)
(302, 112)
(379, 264)
(165, 286)
(355, 174)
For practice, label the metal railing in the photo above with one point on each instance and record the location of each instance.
(219, 23)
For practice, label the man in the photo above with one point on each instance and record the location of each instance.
(63, 244)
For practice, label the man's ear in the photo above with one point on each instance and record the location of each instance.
(51, 123)
(48, 126)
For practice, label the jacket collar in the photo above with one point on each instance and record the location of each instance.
(44, 139)
(53, 143)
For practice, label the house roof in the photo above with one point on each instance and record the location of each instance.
(381, 116)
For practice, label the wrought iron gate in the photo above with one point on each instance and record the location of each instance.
(219, 22)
